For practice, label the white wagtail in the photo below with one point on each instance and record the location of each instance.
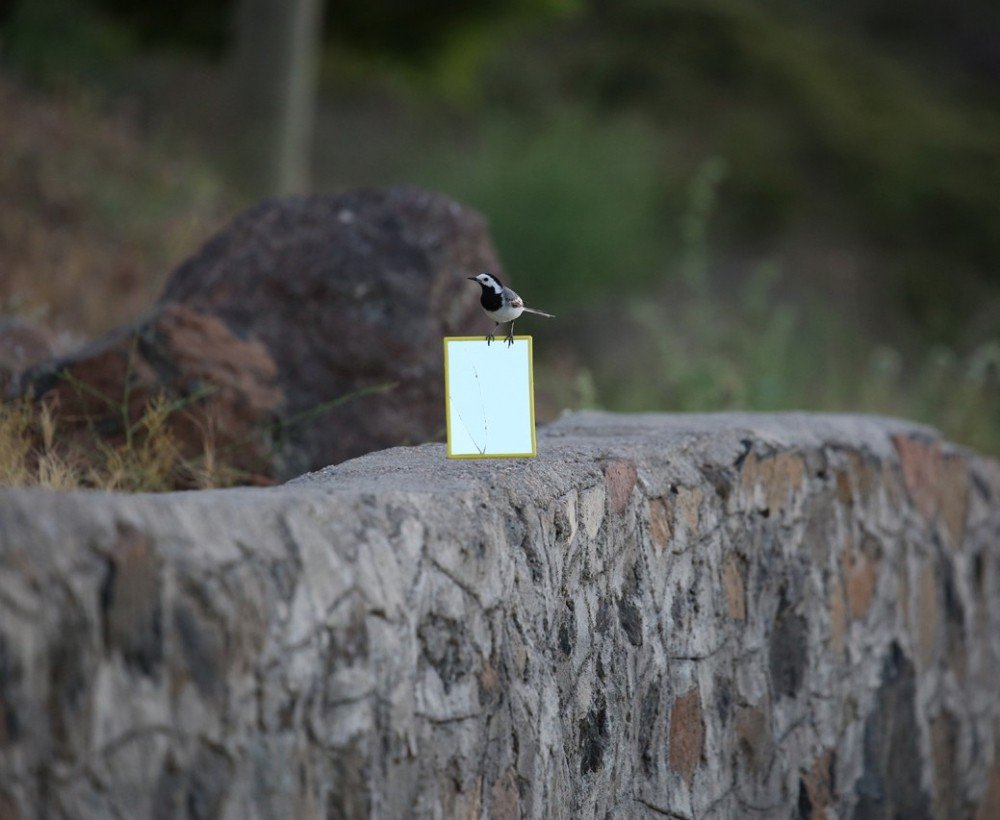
(502, 305)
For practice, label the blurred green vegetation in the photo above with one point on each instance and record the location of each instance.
(822, 133)
(62, 41)
(572, 206)
(764, 352)
(728, 203)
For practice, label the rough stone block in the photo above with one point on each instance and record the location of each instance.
(681, 616)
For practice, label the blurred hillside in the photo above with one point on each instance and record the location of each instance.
(93, 211)
(728, 203)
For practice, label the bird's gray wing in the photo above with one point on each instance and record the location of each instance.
(512, 298)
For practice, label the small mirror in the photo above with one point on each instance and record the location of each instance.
(489, 398)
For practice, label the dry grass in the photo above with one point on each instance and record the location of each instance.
(34, 453)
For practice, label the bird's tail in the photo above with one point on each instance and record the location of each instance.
(539, 313)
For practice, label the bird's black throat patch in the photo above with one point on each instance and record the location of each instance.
(490, 299)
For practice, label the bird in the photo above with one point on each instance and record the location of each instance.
(502, 305)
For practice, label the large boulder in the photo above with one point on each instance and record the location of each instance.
(306, 333)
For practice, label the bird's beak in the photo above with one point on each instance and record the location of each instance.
(472, 278)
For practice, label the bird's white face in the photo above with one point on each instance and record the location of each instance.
(488, 281)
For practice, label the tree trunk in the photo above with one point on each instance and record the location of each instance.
(275, 64)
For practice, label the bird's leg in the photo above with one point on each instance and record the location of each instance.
(510, 334)
(493, 334)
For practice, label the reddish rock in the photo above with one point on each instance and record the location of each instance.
(954, 498)
(928, 616)
(661, 529)
(620, 477)
(772, 480)
(488, 679)
(130, 601)
(989, 805)
(687, 734)
(9, 810)
(845, 493)
(688, 505)
(947, 780)
(754, 737)
(306, 333)
(222, 388)
(732, 582)
(505, 801)
(860, 576)
(920, 461)
(462, 805)
(818, 782)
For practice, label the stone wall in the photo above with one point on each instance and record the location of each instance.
(660, 616)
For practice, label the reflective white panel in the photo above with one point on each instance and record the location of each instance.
(490, 397)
